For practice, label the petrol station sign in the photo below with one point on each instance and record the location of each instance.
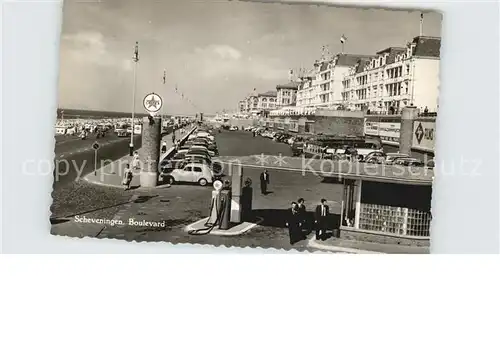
(424, 134)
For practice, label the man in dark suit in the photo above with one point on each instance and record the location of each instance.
(264, 182)
(321, 219)
(301, 207)
(293, 224)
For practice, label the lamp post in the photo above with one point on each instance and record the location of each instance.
(136, 59)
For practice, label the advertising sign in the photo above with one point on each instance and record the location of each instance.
(388, 132)
(424, 134)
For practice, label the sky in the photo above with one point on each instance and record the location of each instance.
(214, 51)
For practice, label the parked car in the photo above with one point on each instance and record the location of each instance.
(392, 156)
(248, 129)
(232, 128)
(204, 148)
(191, 173)
(408, 161)
(167, 166)
(375, 157)
(199, 152)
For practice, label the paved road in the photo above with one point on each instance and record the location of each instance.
(239, 143)
(79, 160)
(75, 158)
(70, 145)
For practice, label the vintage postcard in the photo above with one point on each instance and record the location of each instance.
(249, 124)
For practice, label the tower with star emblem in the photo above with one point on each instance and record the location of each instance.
(408, 116)
(151, 140)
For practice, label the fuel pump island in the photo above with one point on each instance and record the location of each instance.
(230, 207)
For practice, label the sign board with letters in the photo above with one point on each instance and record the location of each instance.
(424, 135)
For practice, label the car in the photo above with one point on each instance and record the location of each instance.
(248, 129)
(191, 173)
(198, 152)
(204, 148)
(201, 134)
(408, 161)
(167, 166)
(375, 157)
(392, 156)
(233, 128)
(200, 141)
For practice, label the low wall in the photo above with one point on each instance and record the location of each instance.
(359, 235)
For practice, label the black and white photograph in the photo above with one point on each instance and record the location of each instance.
(272, 125)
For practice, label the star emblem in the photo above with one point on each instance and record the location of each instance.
(262, 159)
(280, 160)
(152, 102)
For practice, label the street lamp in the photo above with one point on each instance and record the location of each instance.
(136, 59)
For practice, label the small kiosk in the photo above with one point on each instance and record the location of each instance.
(387, 204)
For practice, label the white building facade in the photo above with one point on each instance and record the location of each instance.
(308, 92)
(325, 88)
(394, 78)
(287, 94)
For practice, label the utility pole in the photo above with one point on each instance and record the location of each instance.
(136, 59)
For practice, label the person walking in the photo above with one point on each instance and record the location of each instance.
(163, 147)
(264, 182)
(173, 137)
(293, 223)
(136, 161)
(301, 207)
(127, 177)
(321, 219)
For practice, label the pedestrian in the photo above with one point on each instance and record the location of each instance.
(321, 219)
(264, 182)
(127, 177)
(173, 137)
(301, 207)
(293, 223)
(163, 147)
(136, 161)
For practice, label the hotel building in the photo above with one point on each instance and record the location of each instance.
(394, 78)
(287, 94)
(255, 102)
(324, 89)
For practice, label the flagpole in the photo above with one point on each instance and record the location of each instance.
(421, 24)
(136, 59)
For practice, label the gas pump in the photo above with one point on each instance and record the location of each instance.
(220, 210)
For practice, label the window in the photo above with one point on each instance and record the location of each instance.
(197, 169)
(188, 169)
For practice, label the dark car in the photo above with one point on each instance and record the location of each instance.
(408, 161)
(375, 157)
(198, 152)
